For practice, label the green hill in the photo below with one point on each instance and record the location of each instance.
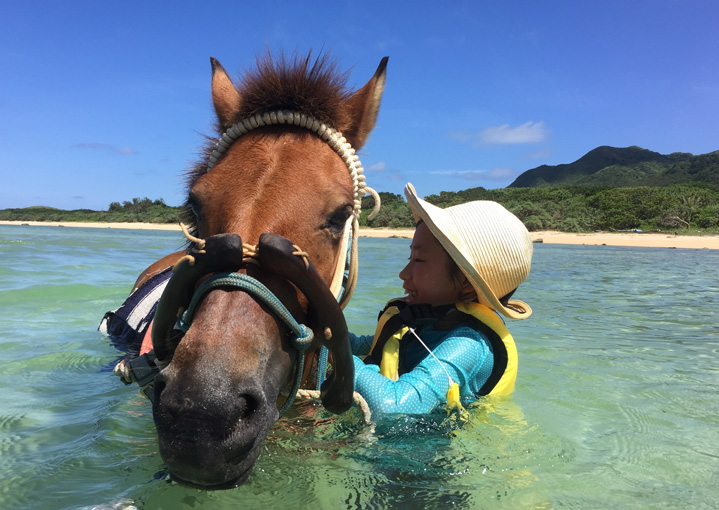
(624, 167)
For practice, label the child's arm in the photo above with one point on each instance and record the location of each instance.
(467, 358)
(361, 344)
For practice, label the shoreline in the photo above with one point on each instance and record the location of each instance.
(637, 239)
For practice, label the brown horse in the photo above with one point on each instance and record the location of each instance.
(283, 168)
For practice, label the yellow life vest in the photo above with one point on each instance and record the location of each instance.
(504, 372)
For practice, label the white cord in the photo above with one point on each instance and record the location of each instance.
(451, 382)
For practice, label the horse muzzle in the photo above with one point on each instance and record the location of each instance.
(210, 439)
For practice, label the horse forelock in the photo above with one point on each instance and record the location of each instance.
(313, 86)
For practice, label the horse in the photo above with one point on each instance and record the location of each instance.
(275, 201)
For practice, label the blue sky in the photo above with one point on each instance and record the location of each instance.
(106, 101)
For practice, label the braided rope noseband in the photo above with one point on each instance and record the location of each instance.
(327, 133)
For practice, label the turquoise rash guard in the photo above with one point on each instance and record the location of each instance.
(466, 354)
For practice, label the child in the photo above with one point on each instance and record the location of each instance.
(465, 263)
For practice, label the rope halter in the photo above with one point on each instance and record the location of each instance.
(327, 133)
(345, 272)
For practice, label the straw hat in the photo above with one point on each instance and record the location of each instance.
(491, 246)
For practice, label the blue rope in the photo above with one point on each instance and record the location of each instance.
(302, 336)
(322, 366)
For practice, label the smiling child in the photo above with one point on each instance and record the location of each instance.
(465, 263)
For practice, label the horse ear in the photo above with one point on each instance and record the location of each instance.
(363, 107)
(224, 94)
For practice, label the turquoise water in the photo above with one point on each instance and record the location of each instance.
(616, 402)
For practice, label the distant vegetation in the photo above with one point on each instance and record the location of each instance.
(582, 209)
(607, 189)
(575, 209)
(137, 210)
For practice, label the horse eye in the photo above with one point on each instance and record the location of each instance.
(195, 208)
(337, 220)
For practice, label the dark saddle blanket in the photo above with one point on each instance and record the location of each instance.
(128, 323)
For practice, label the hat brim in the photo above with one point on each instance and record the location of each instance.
(442, 226)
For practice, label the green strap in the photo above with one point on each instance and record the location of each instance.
(302, 336)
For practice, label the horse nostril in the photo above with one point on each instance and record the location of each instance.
(247, 406)
(158, 386)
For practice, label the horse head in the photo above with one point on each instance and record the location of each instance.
(283, 171)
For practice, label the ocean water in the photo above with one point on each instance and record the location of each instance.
(616, 403)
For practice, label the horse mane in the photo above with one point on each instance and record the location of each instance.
(303, 84)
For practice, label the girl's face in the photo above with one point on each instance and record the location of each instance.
(427, 277)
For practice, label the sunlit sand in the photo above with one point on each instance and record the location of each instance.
(646, 239)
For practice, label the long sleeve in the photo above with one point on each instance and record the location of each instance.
(361, 344)
(465, 354)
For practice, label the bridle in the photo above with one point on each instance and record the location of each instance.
(221, 255)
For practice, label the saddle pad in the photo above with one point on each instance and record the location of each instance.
(129, 322)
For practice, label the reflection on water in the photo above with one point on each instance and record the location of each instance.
(615, 403)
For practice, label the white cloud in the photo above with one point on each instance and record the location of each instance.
(377, 167)
(529, 132)
(501, 173)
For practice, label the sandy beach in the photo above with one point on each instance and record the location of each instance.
(645, 239)
(649, 240)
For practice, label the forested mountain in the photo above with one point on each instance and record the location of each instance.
(624, 167)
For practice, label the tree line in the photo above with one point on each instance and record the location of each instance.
(141, 210)
(692, 206)
(681, 207)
